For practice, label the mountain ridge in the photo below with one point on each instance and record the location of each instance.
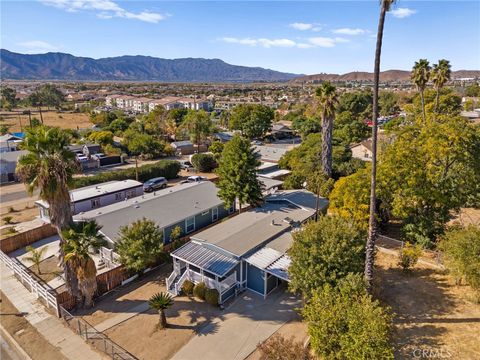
(63, 66)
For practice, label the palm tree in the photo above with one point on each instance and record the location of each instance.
(420, 76)
(327, 99)
(80, 239)
(372, 225)
(49, 166)
(440, 75)
(161, 302)
(36, 256)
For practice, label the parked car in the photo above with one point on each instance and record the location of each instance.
(155, 184)
(193, 179)
(98, 156)
(186, 165)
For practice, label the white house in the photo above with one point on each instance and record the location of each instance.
(362, 150)
(96, 196)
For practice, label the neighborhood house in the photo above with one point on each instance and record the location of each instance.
(248, 251)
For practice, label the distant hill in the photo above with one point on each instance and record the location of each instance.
(386, 76)
(60, 66)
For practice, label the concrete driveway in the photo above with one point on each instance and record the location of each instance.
(248, 321)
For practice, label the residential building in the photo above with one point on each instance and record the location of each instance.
(111, 100)
(183, 147)
(8, 165)
(141, 105)
(248, 251)
(96, 196)
(168, 103)
(362, 150)
(270, 153)
(190, 206)
(9, 142)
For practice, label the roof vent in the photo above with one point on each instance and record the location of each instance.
(273, 222)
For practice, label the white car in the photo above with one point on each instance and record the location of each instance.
(194, 179)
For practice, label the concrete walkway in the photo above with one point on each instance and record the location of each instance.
(71, 345)
(250, 320)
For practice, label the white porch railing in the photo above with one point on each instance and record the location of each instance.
(179, 283)
(171, 279)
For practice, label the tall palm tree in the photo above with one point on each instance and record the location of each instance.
(420, 76)
(161, 302)
(440, 74)
(327, 99)
(80, 239)
(49, 166)
(372, 225)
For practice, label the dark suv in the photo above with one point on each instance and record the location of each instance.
(155, 184)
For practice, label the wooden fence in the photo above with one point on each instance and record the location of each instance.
(32, 282)
(23, 239)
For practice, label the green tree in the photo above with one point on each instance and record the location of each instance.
(7, 98)
(161, 302)
(51, 96)
(237, 172)
(327, 100)
(216, 149)
(141, 145)
(204, 162)
(154, 122)
(472, 90)
(344, 322)
(372, 226)
(101, 137)
(80, 239)
(357, 103)
(198, 124)
(388, 103)
(49, 166)
(420, 76)
(323, 252)
(253, 120)
(461, 249)
(140, 245)
(440, 74)
(36, 256)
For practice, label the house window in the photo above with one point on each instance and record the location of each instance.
(214, 214)
(190, 224)
(231, 210)
(95, 203)
(119, 196)
(131, 194)
(205, 213)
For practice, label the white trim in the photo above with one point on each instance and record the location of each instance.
(186, 225)
(215, 212)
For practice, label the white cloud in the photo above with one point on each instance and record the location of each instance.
(37, 46)
(305, 26)
(288, 43)
(107, 9)
(403, 12)
(349, 31)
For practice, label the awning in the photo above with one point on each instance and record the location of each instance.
(205, 258)
(271, 261)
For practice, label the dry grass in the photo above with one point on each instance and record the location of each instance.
(432, 313)
(64, 120)
(25, 334)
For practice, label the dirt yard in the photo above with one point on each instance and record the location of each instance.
(65, 120)
(139, 334)
(432, 313)
(49, 269)
(25, 334)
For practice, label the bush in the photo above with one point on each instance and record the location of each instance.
(11, 209)
(212, 296)
(204, 162)
(199, 290)
(166, 168)
(344, 322)
(409, 255)
(7, 219)
(278, 347)
(187, 287)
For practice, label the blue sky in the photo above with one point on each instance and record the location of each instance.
(300, 37)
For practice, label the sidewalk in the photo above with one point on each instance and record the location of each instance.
(52, 328)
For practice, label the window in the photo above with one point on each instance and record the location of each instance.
(214, 214)
(231, 210)
(95, 203)
(119, 196)
(131, 194)
(190, 224)
(205, 213)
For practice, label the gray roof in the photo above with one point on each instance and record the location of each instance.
(164, 207)
(108, 187)
(205, 258)
(246, 232)
(269, 183)
(270, 153)
(178, 144)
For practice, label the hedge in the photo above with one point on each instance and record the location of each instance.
(166, 168)
(187, 287)
(212, 296)
(199, 290)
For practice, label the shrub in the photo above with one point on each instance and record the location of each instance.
(199, 290)
(279, 347)
(345, 322)
(409, 255)
(7, 219)
(187, 287)
(166, 168)
(212, 296)
(11, 209)
(204, 162)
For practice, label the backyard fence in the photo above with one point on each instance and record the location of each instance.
(96, 338)
(32, 282)
(23, 239)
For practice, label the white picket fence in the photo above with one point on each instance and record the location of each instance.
(33, 284)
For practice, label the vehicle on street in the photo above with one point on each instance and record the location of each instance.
(155, 184)
(186, 165)
(194, 179)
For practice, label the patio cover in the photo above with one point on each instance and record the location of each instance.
(204, 258)
(271, 261)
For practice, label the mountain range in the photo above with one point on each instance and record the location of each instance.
(61, 66)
